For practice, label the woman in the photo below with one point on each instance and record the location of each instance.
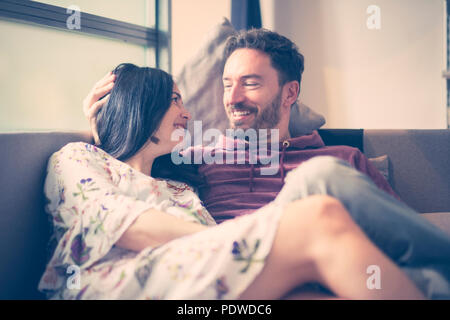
(134, 236)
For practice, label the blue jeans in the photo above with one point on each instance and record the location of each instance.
(419, 248)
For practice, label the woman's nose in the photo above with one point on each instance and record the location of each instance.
(186, 114)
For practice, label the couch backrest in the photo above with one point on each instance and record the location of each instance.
(419, 165)
(24, 227)
(420, 173)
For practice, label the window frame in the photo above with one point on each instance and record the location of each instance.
(37, 13)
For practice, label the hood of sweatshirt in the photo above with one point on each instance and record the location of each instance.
(312, 140)
(232, 144)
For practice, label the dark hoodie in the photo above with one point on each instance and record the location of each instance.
(230, 190)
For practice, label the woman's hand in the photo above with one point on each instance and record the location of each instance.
(92, 104)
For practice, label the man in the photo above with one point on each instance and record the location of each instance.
(262, 77)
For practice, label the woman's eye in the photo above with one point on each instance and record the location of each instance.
(178, 101)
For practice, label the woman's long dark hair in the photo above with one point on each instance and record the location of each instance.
(138, 102)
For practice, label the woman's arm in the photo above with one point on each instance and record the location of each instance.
(94, 215)
(154, 228)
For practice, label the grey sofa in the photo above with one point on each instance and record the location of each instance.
(419, 173)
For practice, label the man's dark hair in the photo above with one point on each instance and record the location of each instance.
(137, 104)
(284, 54)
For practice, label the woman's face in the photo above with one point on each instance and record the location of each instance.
(174, 124)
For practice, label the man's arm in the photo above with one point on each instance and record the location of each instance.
(92, 104)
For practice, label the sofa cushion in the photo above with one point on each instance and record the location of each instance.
(382, 165)
(24, 227)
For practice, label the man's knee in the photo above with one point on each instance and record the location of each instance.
(324, 175)
(329, 208)
(318, 208)
(318, 168)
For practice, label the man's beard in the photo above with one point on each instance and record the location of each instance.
(268, 119)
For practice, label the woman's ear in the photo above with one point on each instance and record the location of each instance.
(290, 93)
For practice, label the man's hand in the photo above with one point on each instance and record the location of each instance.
(92, 104)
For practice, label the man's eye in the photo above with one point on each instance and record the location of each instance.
(250, 84)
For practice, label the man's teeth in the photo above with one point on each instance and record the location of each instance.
(241, 113)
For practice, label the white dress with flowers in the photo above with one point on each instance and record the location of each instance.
(93, 198)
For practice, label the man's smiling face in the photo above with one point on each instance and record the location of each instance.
(252, 93)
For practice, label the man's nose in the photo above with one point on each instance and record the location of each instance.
(235, 95)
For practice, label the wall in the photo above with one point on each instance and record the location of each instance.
(191, 21)
(361, 78)
(357, 78)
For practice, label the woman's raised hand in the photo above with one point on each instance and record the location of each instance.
(92, 104)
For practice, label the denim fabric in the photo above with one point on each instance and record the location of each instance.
(420, 248)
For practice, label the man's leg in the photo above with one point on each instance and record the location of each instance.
(396, 229)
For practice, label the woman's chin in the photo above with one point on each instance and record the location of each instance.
(174, 145)
(178, 135)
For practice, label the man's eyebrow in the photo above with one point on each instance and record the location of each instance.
(245, 77)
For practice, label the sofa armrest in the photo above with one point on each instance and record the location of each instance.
(24, 230)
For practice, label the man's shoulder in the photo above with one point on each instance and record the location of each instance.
(343, 148)
(337, 149)
(349, 154)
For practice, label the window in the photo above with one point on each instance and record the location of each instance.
(52, 54)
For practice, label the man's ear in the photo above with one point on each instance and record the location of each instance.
(290, 93)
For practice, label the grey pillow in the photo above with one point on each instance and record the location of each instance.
(382, 164)
(200, 82)
(304, 120)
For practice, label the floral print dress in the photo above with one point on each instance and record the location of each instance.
(93, 198)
